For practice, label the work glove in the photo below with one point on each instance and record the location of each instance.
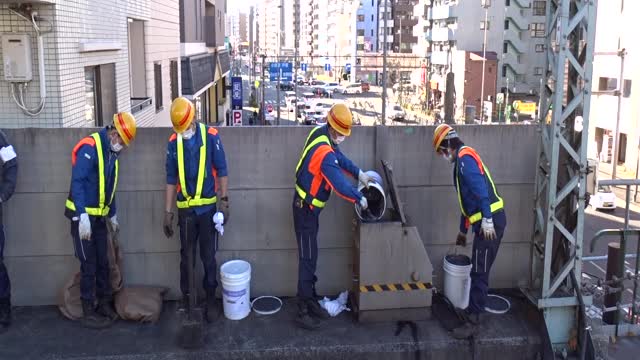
(461, 240)
(84, 227)
(167, 226)
(364, 179)
(363, 203)
(488, 230)
(115, 226)
(223, 207)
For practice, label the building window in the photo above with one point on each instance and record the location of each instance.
(372, 17)
(360, 47)
(371, 32)
(607, 84)
(100, 94)
(507, 2)
(506, 24)
(157, 77)
(173, 73)
(485, 3)
(504, 70)
(539, 47)
(482, 25)
(626, 90)
(505, 48)
(537, 30)
(360, 18)
(360, 32)
(539, 8)
(137, 69)
(537, 71)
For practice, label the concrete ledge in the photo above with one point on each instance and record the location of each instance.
(42, 333)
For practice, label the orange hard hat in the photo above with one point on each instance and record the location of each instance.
(340, 119)
(441, 133)
(125, 124)
(182, 113)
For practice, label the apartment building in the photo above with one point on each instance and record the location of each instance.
(98, 58)
(616, 30)
(515, 31)
(400, 23)
(367, 26)
(205, 62)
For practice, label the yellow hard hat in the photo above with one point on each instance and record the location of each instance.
(442, 132)
(181, 114)
(340, 119)
(125, 124)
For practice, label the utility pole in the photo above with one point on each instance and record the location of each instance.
(507, 114)
(296, 39)
(616, 139)
(262, 116)
(384, 63)
(485, 5)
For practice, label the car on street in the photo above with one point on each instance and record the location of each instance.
(286, 85)
(331, 87)
(603, 199)
(350, 89)
(308, 96)
(319, 106)
(320, 91)
(397, 113)
(365, 86)
(315, 82)
(308, 117)
(269, 118)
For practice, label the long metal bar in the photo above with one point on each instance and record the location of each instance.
(616, 139)
(384, 63)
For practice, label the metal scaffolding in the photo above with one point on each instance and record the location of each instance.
(562, 169)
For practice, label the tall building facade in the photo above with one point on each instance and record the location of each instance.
(367, 26)
(400, 23)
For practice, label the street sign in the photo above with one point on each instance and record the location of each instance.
(256, 84)
(347, 67)
(269, 108)
(282, 69)
(500, 98)
(237, 117)
(327, 67)
(525, 107)
(488, 110)
(236, 93)
(303, 67)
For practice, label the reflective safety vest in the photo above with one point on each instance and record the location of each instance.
(197, 199)
(322, 139)
(103, 208)
(495, 206)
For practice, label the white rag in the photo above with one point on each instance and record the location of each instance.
(218, 219)
(335, 307)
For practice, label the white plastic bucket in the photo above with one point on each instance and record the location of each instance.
(236, 291)
(457, 280)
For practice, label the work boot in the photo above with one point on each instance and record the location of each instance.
(464, 332)
(5, 314)
(474, 318)
(105, 308)
(91, 319)
(212, 310)
(304, 319)
(316, 310)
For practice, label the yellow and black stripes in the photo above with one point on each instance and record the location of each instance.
(395, 287)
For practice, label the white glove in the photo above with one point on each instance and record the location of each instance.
(363, 203)
(84, 227)
(364, 178)
(115, 226)
(488, 230)
(218, 220)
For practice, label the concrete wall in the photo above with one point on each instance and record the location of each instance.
(39, 252)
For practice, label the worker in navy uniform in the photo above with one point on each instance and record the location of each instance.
(8, 177)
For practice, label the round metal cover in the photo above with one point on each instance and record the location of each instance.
(266, 305)
(497, 304)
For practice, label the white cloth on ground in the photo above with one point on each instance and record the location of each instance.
(335, 307)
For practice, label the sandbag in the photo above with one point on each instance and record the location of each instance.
(69, 301)
(140, 303)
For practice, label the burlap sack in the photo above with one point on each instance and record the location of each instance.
(69, 301)
(140, 303)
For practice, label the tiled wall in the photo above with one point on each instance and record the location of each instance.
(77, 21)
(10, 115)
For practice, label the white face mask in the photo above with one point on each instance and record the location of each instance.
(116, 147)
(448, 157)
(188, 134)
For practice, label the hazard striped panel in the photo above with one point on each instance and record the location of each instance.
(395, 287)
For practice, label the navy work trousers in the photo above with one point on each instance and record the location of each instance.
(305, 222)
(94, 261)
(198, 229)
(482, 258)
(5, 284)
